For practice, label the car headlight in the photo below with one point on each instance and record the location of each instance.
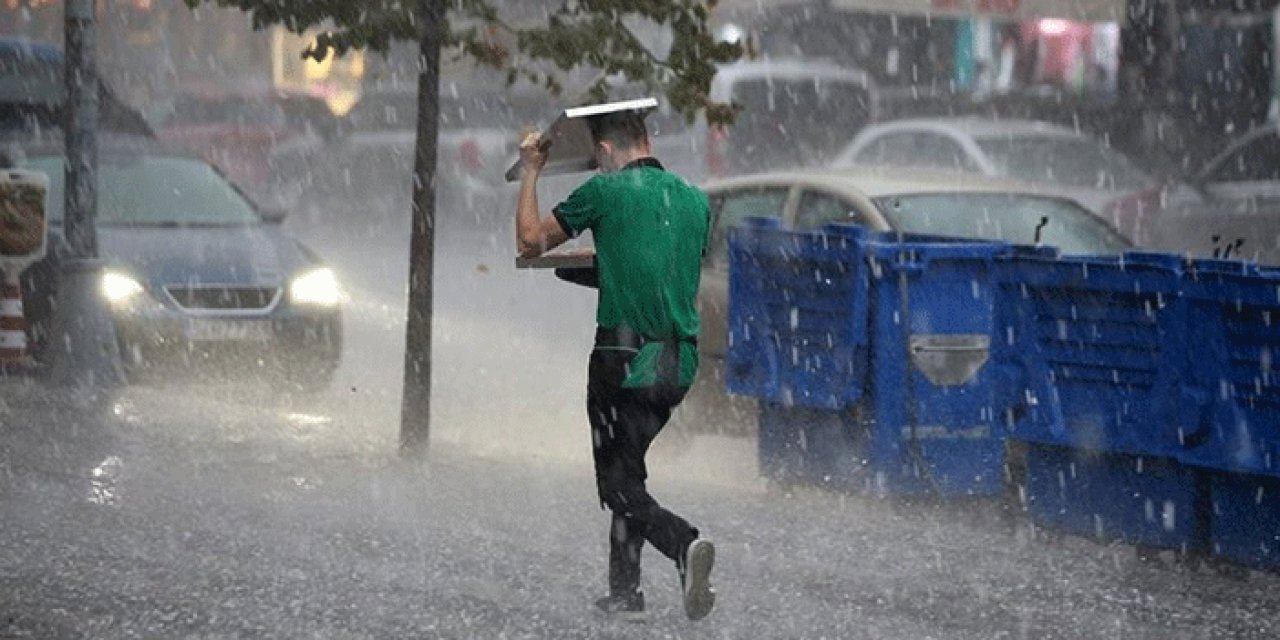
(118, 288)
(318, 287)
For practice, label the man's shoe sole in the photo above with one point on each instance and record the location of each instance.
(634, 617)
(699, 597)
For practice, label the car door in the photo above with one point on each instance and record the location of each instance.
(1249, 175)
(728, 209)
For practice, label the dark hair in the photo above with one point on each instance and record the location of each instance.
(624, 129)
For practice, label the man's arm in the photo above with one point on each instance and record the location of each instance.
(535, 234)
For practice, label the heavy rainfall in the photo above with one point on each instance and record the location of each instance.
(986, 338)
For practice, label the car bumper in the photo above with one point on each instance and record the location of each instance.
(291, 339)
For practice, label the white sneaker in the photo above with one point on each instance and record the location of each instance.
(699, 597)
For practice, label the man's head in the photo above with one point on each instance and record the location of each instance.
(619, 138)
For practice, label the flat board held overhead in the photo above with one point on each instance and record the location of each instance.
(571, 149)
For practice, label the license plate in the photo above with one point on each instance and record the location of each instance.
(205, 330)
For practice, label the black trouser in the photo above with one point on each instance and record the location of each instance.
(623, 424)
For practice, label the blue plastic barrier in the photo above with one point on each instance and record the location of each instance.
(1234, 320)
(810, 310)
(1150, 501)
(1245, 525)
(797, 308)
(1144, 386)
(1092, 351)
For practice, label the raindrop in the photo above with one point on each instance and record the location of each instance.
(1168, 517)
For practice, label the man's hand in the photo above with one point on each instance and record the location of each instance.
(534, 150)
(534, 234)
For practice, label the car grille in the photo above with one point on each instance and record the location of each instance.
(223, 298)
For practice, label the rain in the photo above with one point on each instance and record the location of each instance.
(985, 341)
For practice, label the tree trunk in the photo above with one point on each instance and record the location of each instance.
(81, 121)
(415, 407)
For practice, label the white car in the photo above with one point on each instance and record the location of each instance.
(790, 112)
(1048, 156)
(1241, 218)
(1248, 171)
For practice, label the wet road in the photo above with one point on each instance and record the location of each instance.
(222, 512)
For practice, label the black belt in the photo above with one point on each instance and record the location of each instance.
(627, 339)
(631, 339)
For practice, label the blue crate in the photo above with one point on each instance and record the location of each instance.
(1150, 501)
(843, 319)
(797, 308)
(833, 449)
(1092, 350)
(933, 300)
(1234, 320)
(1245, 526)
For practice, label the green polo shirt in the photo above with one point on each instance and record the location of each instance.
(650, 230)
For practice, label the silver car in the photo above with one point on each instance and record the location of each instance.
(1051, 157)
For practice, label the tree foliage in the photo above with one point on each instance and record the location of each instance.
(575, 34)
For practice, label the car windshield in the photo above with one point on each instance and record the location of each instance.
(147, 190)
(999, 216)
(1078, 162)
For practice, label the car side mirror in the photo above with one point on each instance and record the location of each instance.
(274, 215)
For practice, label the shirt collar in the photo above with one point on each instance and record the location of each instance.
(647, 161)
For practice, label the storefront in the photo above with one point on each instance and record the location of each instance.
(949, 46)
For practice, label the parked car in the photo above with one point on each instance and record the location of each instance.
(32, 92)
(1239, 216)
(793, 114)
(1247, 171)
(245, 134)
(939, 203)
(1048, 156)
(198, 278)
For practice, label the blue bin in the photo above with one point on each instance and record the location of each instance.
(1150, 501)
(932, 401)
(1092, 352)
(870, 355)
(797, 308)
(1234, 367)
(1246, 519)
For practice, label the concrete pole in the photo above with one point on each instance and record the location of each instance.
(415, 407)
(83, 348)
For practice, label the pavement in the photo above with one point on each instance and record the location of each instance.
(229, 516)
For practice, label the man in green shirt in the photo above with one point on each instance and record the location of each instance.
(650, 231)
